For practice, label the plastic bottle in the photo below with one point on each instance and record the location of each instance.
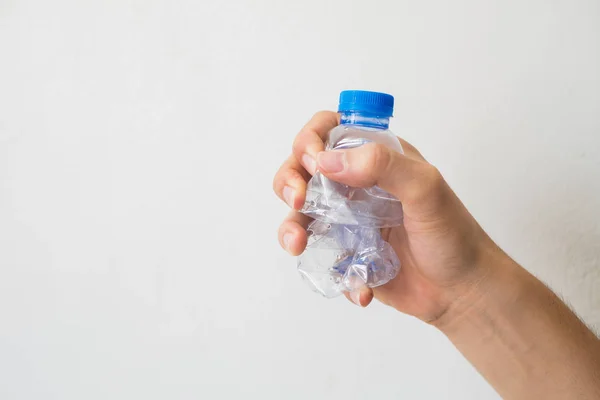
(345, 249)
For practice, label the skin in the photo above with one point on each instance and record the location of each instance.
(522, 338)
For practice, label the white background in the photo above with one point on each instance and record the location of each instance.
(138, 140)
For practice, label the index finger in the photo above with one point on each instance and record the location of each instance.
(311, 139)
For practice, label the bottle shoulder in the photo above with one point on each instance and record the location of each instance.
(348, 136)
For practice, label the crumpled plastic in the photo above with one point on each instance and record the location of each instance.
(336, 203)
(345, 250)
(340, 258)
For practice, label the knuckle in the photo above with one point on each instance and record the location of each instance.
(297, 146)
(292, 177)
(319, 114)
(372, 161)
(434, 177)
(382, 154)
(379, 159)
(280, 178)
(277, 185)
(369, 162)
(430, 186)
(286, 176)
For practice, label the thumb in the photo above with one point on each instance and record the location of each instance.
(410, 180)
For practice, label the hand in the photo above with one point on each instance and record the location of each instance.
(442, 250)
(518, 334)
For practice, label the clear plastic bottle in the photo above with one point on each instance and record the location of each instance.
(345, 250)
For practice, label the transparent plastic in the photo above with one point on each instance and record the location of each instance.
(345, 250)
(341, 258)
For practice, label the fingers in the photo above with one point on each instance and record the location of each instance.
(310, 141)
(290, 183)
(410, 180)
(292, 233)
(361, 297)
(293, 238)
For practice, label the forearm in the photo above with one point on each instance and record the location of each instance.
(522, 338)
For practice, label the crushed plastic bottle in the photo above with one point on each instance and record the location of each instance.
(345, 250)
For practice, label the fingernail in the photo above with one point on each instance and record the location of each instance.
(332, 161)
(355, 297)
(288, 196)
(309, 163)
(287, 239)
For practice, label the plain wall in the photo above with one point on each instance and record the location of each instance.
(138, 141)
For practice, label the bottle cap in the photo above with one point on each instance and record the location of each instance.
(360, 101)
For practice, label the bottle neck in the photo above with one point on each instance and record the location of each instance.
(366, 120)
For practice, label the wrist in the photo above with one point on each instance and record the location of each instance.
(522, 339)
(497, 283)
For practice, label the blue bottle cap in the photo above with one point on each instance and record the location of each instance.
(360, 101)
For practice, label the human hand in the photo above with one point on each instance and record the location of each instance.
(442, 249)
